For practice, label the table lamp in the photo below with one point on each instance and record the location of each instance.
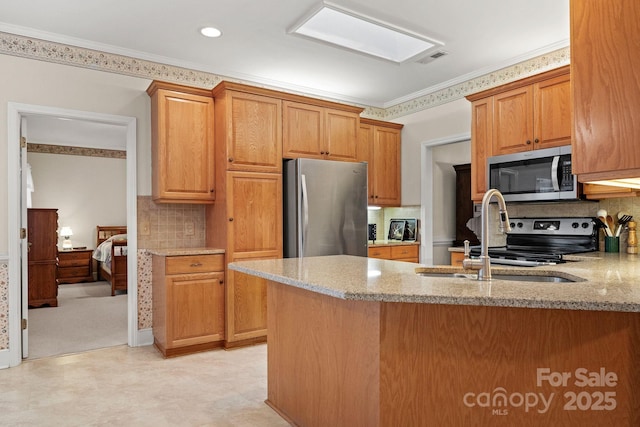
(66, 232)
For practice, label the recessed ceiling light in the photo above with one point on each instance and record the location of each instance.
(210, 32)
(349, 30)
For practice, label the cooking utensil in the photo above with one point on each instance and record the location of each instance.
(607, 231)
(623, 219)
(602, 216)
(610, 223)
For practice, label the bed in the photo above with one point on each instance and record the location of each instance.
(111, 254)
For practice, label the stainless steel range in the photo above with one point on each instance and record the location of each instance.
(544, 241)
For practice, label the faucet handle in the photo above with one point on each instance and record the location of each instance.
(467, 251)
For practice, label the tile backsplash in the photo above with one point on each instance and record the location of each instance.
(382, 218)
(578, 209)
(170, 225)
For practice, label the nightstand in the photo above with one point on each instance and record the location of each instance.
(75, 266)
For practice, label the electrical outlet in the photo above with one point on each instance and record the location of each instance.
(189, 228)
(145, 228)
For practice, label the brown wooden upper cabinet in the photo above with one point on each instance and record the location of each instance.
(248, 128)
(182, 132)
(533, 116)
(319, 132)
(379, 145)
(605, 71)
(529, 114)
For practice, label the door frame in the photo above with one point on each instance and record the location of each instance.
(426, 199)
(16, 111)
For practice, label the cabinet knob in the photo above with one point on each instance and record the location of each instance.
(230, 159)
(221, 282)
(322, 152)
(230, 219)
(536, 140)
(327, 153)
(212, 190)
(528, 141)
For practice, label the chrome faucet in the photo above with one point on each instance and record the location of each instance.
(483, 264)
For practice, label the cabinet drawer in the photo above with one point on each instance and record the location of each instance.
(66, 272)
(74, 262)
(186, 264)
(403, 252)
(380, 252)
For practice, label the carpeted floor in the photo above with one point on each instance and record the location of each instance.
(87, 318)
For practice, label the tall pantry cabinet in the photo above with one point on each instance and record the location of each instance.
(42, 238)
(246, 219)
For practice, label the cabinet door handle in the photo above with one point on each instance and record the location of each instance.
(196, 264)
(230, 159)
(536, 140)
(230, 219)
(221, 282)
(528, 141)
(212, 190)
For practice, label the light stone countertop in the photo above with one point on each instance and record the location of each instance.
(185, 251)
(611, 282)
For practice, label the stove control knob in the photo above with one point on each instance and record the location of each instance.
(575, 225)
(585, 225)
(520, 225)
(512, 224)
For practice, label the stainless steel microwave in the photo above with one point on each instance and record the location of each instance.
(531, 176)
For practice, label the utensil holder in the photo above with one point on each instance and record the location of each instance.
(611, 244)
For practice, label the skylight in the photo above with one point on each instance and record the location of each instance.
(347, 30)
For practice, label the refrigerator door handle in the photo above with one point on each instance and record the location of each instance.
(305, 212)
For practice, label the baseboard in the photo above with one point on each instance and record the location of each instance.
(5, 358)
(145, 337)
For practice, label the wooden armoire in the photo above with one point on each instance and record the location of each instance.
(42, 238)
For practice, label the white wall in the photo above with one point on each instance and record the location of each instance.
(435, 123)
(445, 120)
(87, 191)
(41, 83)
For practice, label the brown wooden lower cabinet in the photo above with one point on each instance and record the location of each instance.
(188, 303)
(457, 258)
(397, 252)
(335, 362)
(246, 309)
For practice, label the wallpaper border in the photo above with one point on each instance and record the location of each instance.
(75, 151)
(33, 48)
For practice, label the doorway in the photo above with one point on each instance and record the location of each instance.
(433, 211)
(18, 291)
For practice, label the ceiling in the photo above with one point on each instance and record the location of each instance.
(479, 36)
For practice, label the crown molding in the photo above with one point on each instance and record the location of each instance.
(66, 54)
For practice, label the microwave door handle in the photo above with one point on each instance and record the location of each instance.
(554, 173)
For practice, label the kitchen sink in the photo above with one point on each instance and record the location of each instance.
(546, 277)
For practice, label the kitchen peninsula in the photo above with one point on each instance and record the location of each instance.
(362, 341)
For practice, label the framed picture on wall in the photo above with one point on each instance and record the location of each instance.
(410, 230)
(396, 229)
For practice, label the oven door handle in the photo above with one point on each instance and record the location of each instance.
(554, 173)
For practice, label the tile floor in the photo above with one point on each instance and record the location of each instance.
(122, 386)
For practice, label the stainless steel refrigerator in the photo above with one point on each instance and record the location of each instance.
(325, 208)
